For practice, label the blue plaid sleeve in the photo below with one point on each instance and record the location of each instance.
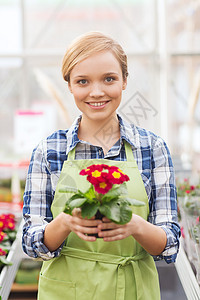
(38, 197)
(163, 202)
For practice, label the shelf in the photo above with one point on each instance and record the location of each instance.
(16, 287)
(186, 275)
(8, 273)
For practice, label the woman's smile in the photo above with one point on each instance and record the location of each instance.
(98, 105)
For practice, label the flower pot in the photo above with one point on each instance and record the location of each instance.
(98, 216)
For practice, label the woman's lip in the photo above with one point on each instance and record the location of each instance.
(98, 107)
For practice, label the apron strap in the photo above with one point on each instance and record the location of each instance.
(71, 154)
(121, 263)
(129, 152)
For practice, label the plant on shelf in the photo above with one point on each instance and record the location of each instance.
(189, 208)
(189, 197)
(195, 231)
(106, 195)
(7, 236)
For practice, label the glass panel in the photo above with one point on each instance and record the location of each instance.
(185, 104)
(140, 103)
(121, 19)
(10, 78)
(184, 25)
(10, 27)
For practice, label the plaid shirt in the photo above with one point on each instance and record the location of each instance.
(154, 163)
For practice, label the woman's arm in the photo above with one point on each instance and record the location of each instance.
(160, 234)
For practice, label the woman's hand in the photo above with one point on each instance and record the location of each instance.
(83, 227)
(59, 228)
(151, 237)
(115, 232)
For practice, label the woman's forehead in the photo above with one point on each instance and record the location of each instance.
(100, 62)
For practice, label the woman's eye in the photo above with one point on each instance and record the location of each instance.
(109, 79)
(82, 81)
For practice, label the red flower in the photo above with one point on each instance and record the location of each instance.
(10, 225)
(2, 224)
(182, 232)
(187, 191)
(102, 187)
(116, 176)
(192, 187)
(2, 252)
(197, 220)
(103, 176)
(91, 169)
(7, 221)
(2, 236)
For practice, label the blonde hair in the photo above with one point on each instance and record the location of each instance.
(88, 44)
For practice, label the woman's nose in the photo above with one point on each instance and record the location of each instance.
(96, 91)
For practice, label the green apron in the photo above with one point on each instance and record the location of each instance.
(119, 270)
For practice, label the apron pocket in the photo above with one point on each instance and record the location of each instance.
(51, 289)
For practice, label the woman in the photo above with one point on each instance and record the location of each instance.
(119, 264)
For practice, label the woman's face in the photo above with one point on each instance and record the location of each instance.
(96, 84)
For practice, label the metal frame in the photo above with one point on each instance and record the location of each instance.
(186, 275)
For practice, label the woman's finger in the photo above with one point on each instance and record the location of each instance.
(108, 225)
(86, 222)
(76, 212)
(86, 230)
(86, 237)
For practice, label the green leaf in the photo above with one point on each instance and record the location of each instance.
(89, 210)
(67, 210)
(90, 194)
(77, 202)
(76, 196)
(68, 189)
(72, 198)
(115, 192)
(4, 261)
(11, 235)
(117, 211)
(125, 214)
(111, 210)
(131, 201)
(5, 245)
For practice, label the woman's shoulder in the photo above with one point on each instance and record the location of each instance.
(148, 135)
(55, 142)
(58, 135)
(141, 137)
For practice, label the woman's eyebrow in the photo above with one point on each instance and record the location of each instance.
(104, 74)
(111, 73)
(81, 76)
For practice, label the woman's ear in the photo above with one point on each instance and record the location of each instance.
(124, 84)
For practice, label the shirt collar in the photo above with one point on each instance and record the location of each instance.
(127, 132)
(72, 135)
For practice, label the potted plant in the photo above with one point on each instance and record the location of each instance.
(106, 196)
(7, 236)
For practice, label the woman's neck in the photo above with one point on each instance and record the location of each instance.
(100, 133)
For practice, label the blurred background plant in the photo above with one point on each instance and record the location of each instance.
(189, 212)
(7, 236)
